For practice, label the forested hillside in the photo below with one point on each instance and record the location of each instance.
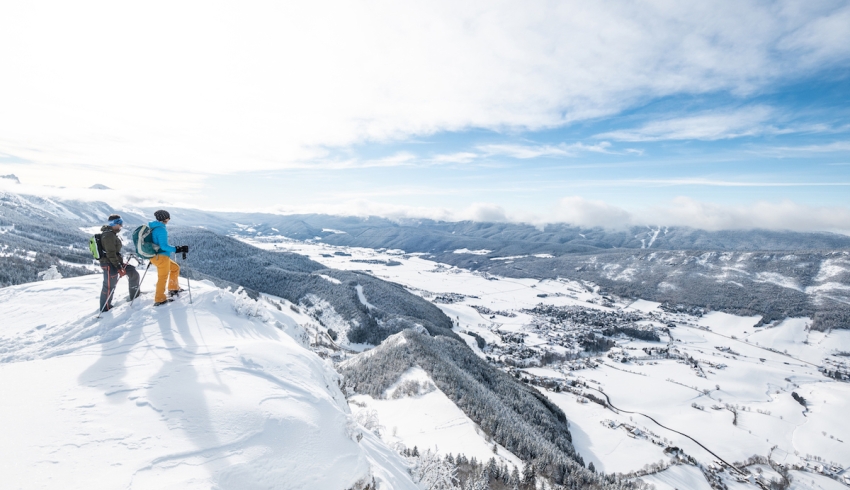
(388, 308)
(514, 414)
(37, 233)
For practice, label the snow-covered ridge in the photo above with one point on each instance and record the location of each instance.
(216, 394)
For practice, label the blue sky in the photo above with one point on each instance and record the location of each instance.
(720, 115)
(790, 142)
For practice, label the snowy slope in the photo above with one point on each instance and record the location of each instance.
(429, 420)
(218, 394)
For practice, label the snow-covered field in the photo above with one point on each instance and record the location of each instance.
(428, 420)
(216, 394)
(741, 387)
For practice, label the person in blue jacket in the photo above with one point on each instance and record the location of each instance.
(166, 269)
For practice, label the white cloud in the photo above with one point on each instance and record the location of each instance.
(484, 212)
(535, 151)
(712, 125)
(782, 215)
(832, 147)
(214, 88)
(139, 197)
(488, 212)
(458, 157)
(579, 211)
(686, 211)
(576, 210)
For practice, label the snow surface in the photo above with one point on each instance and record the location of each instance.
(726, 324)
(218, 394)
(361, 296)
(644, 305)
(679, 477)
(809, 481)
(430, 421)
(472, 252)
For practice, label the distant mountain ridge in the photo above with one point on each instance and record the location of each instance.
(797, 279)
(428, 236)
(423, 235)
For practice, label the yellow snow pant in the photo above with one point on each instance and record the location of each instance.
(167, 271)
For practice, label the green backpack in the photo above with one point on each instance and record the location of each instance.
(96, 247)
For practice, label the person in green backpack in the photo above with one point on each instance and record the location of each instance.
(113, 264)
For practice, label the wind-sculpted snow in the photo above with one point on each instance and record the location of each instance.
(217, 394)
(390, 307)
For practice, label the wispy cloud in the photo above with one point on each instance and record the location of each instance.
(832, 147)
(458, 157)
(710, 125)
(722, 183)
(537, 151)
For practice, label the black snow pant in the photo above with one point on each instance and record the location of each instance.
(110, 280)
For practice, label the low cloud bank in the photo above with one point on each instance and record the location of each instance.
(574, 210)
(685, 211)
(783, 215)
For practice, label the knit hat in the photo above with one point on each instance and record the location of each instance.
(161, 215)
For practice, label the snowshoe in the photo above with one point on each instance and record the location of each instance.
(169, 300)
(175, 292)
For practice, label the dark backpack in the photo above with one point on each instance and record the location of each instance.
(143, 242)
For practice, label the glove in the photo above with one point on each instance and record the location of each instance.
(182, 249)
(122, 272)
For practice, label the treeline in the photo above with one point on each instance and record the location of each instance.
(26, 250)
(16, 270)
(513, 414)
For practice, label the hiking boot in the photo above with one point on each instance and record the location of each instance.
(160, 303)
(175, 292)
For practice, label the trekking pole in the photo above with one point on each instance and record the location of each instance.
(188, 281)
(108, 298)
(139, 292)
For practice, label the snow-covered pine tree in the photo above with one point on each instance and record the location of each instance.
(50, 274)
(434, 473)
(529, 476)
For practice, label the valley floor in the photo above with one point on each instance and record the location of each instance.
(721, 392)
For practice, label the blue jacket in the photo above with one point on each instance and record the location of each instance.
(159, 235)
